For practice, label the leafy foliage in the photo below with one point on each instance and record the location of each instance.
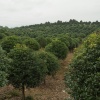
(4, 65)
(9, 42)
(72, 27)
(42, 41)
(58, 48)
(51, 62)
(32, 44)
(26, 68)
(83, 77)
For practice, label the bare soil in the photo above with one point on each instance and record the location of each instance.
(54, 89)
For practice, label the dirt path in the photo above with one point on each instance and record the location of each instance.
(54, 88)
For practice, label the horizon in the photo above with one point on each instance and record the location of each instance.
(46, 22)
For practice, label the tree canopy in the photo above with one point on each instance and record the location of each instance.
(32, 43)
(9, 42)
(4, 66)
(51, 62)
(58, 48)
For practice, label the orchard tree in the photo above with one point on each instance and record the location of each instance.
(42, 41)
(4, 65)
(8, 43)
(48, 40)
(32, 44)
(83, 77)
(2, 35)
(51, 61)
(58, 48)
(65, 39)
(27, 69)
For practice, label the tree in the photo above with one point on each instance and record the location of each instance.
(2, 35)
(9, 42)
(42, 41)
(27, 69)
(51, 61)
(4, 65)
(65, 39)
(83, 77)
(32, 44)
(48, 40)
(58, 48)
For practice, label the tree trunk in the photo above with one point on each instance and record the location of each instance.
(23, 92)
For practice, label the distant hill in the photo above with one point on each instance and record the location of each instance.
(72, 27)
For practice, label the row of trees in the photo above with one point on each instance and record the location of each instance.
(22, 67)
(73, 27)
(83, 77)
(78, 29)
(28, 64)
(59, 46)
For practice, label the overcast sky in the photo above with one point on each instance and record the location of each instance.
(26, 12)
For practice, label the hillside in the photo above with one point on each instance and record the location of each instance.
(73, 27)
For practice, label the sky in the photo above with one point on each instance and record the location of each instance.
(16, 13)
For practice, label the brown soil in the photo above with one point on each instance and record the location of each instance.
(54, 89)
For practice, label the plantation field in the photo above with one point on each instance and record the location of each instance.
(54, 89)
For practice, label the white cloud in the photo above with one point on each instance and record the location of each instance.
(24, 12)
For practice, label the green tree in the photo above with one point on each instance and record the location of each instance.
(48, 40)
(32, 44)
(2, 35)
(4, 65)
(9, 42)
(64, 39)
(27, 69)
(42, 41)
(83, 77)
(51, 61)
(58, 48)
